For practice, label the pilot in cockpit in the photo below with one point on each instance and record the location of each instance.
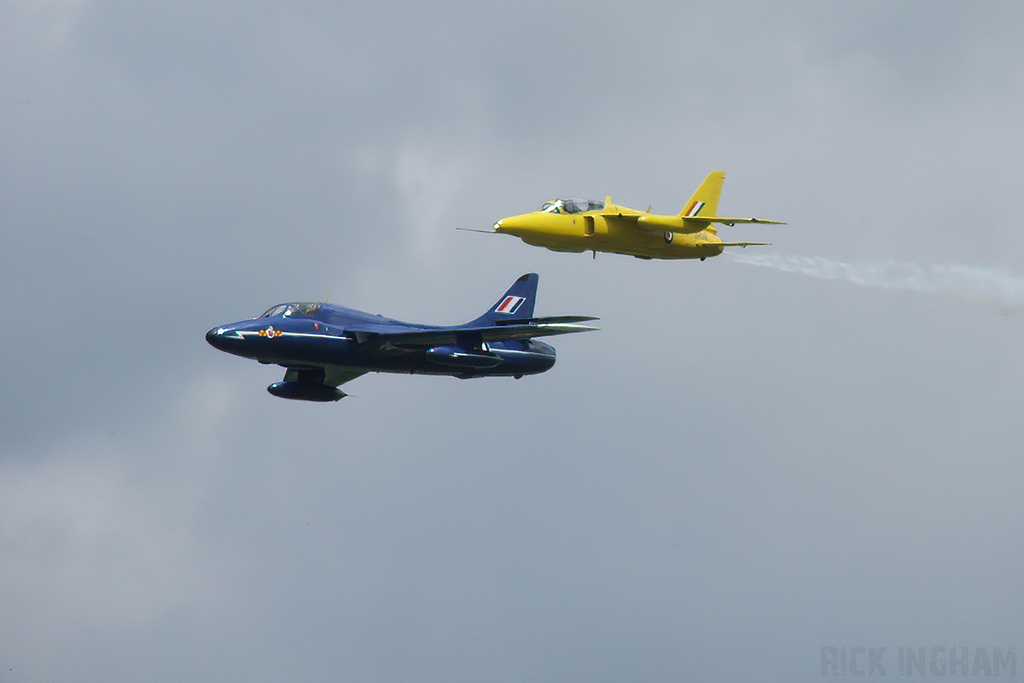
(571, 206)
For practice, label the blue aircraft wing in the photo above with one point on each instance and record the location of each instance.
(513, 330)
(334, 375)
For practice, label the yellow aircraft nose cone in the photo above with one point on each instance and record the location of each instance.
(512, 225)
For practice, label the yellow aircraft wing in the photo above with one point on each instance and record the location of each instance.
(739, 244)
(727, 220)
(683, 224)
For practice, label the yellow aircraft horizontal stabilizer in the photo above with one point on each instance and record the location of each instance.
(727, 220)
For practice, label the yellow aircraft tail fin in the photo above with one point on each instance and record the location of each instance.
(704, 201)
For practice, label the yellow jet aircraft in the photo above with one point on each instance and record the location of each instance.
(580, 225)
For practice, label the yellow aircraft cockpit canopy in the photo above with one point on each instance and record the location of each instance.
(571, 206)
(297, 310)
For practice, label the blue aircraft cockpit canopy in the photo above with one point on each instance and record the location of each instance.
(571, 206)
(296, 310)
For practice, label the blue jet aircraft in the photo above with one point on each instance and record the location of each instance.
(323, 346)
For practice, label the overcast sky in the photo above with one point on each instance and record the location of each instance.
(812, 445)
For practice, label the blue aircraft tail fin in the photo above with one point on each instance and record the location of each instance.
(515, 304)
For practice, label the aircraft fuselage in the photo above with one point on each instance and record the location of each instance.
(326, 340)
(592, 231)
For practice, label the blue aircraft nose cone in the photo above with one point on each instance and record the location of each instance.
(213, 337)
(221, 338)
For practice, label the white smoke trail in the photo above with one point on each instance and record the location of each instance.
(980, 286)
